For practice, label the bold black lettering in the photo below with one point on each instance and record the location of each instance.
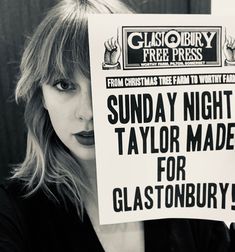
(212, 190)
(133, 146)
(189, 106)
(125, 198)
(206, 109)
(227, 94)
(181, 163)
(174, 136)
(117, 200)
(147, 108)
(190, 198)
(119, 131)
(169, 196)
(152, 140)
(124, 106)
(194, 140)
(209, 142)
(147, 192)
(136, 109)
(170, 165)
(159, 198)
(201, 195)
(112, 101)
(217, 105)
(220, 136)
(160, 111)
(179, 195)
(137, 200)
(164, 139)
(230, 136)
(144, 133)
(223, 188)
(172, 105)
(160, 168)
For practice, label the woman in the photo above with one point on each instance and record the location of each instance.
(51, 202)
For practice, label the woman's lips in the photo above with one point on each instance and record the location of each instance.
(85, 137)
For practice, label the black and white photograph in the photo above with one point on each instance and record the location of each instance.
(117, 127)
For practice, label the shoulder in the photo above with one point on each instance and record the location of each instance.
(28, 222)
(8, 206)
(21, 207)
(12, 228)
(13, 195)
(42, 223)
(211, 235)
(191, 234)
(16, 196)
(14, 201)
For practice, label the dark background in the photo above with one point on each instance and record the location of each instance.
(18, 19)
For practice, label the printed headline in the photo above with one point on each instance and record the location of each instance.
(151, 130)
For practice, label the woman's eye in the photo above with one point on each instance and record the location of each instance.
(64, 85)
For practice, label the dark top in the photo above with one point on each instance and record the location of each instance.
(37, 223)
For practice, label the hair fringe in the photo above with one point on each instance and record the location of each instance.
(57, 48)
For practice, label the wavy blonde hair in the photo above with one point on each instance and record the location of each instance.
(58, 46)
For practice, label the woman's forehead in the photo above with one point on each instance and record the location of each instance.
(74, 76)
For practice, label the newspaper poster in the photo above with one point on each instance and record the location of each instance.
(218, 7)
(163, 93)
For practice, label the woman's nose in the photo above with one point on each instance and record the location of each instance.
(84, 107)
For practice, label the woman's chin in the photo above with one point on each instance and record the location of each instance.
(85, 154)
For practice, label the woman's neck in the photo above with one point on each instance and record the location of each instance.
(116, 237)
(90, 180)
(89, 168)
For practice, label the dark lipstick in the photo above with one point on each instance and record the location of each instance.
(85, 137)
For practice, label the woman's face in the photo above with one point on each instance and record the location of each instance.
(69, 105)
